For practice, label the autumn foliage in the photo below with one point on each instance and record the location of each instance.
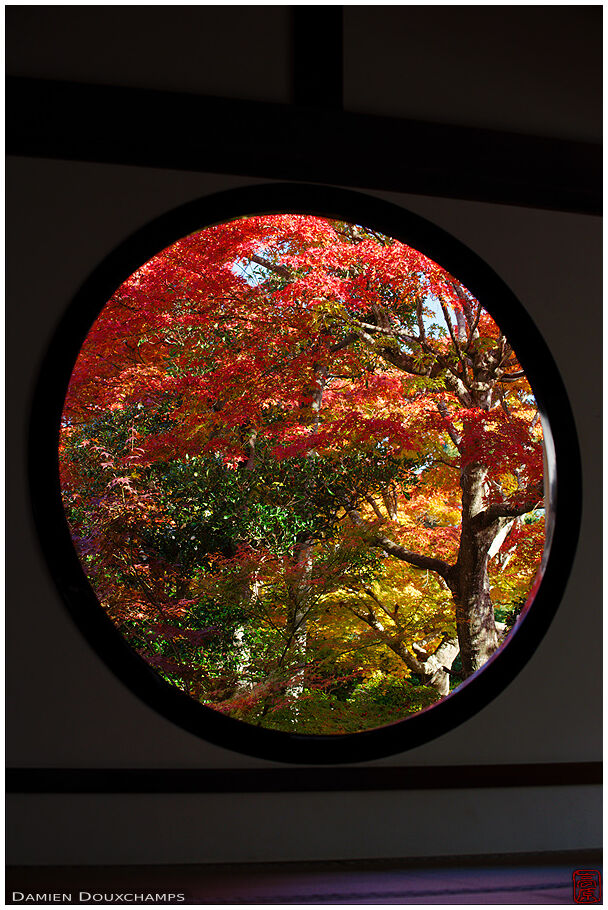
(303, 471)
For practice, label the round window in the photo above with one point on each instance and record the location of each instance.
(297, 470)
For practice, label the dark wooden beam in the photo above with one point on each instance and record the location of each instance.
(318, 56)
(283, 780)
(76, 122)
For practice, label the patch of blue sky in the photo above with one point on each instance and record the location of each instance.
(250, 271)
(436, 318)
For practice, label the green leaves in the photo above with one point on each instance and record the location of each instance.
(268, 426)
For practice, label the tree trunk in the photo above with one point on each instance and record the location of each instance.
(434, 669)
(469, 581)
(249, 596)
(475, 381)
(297, 618)
(304, 557)
(475, 622)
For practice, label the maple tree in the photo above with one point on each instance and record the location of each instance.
(303, 470)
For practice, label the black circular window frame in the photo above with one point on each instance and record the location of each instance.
(65, 566)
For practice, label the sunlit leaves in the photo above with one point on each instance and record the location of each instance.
(240, 400)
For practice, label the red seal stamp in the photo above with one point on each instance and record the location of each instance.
(587, 886)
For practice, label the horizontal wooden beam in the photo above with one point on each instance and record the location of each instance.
(284, 780)
(146, 128)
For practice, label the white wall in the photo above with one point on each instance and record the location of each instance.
(272, 827)
(66, 709)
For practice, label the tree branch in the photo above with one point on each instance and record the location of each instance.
(408, 364)
(370, 500)
(457, 386)
(473, 328)
(512, 377)
(391, 332)
(280, 270)
(340, 345)
(420, 320)
(451, 429)
(448, 322)
(510, 508)
(400, 552)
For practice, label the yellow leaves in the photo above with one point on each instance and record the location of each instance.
(404, 600)
(513, 569)
(409, 591)
(327, 310)
(508, 483)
